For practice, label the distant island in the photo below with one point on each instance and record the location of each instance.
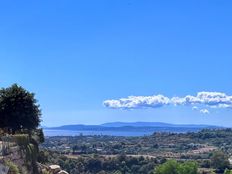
(130, 128)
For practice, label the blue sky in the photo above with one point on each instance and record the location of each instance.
(76, 54)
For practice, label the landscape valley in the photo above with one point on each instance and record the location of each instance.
(116, 87)
(210, 148)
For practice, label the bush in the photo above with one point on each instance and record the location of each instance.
(21, 140)
(219, 160)
(228, 171)
(13, 168)
(173, 167)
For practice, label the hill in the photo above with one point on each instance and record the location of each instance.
(154, 124)
(148, 127)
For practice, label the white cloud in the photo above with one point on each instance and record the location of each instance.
(210, 99)
(195, 108)
(133, 102)
(204, 111)
(207, 99)
(178, 100)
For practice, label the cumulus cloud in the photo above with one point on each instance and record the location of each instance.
(133, 102)
(204, 111)
(213, 99)
(208, 99)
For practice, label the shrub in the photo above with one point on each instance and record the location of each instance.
(21, 140)
(173, 167)
(13, 168)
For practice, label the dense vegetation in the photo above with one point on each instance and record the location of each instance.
(19, 120)
(99, 164)
(18, 109)
(188, 145)
(173, 167)
(209, 149)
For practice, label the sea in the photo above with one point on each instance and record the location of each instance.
(49, 133)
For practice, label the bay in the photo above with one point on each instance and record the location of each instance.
(49, 132)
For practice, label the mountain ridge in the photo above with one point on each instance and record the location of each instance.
(152, 124)
(136, 126)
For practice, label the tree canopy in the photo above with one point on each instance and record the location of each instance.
(173, 167)
(18, 109)
(219, 160)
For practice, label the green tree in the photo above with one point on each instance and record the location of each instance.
(18, 109)
(228, 171)
(219, 160)
(173, 167)
(169, 167)
(187, 168)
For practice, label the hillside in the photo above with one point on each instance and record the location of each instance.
(155, 124)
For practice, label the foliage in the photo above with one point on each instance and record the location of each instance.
(173, 167)
(99, 164)
(18, 109)
(21, 140)
(155, 145)
(228, 171)
(219, 160)
(12, 167)
(194, 146)
(45, 172)
(38, 135)
(29, 151)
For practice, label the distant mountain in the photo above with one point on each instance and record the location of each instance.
(134, 127)
(153, 124)
(136, 124)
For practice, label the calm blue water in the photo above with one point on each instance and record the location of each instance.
(111, 133)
